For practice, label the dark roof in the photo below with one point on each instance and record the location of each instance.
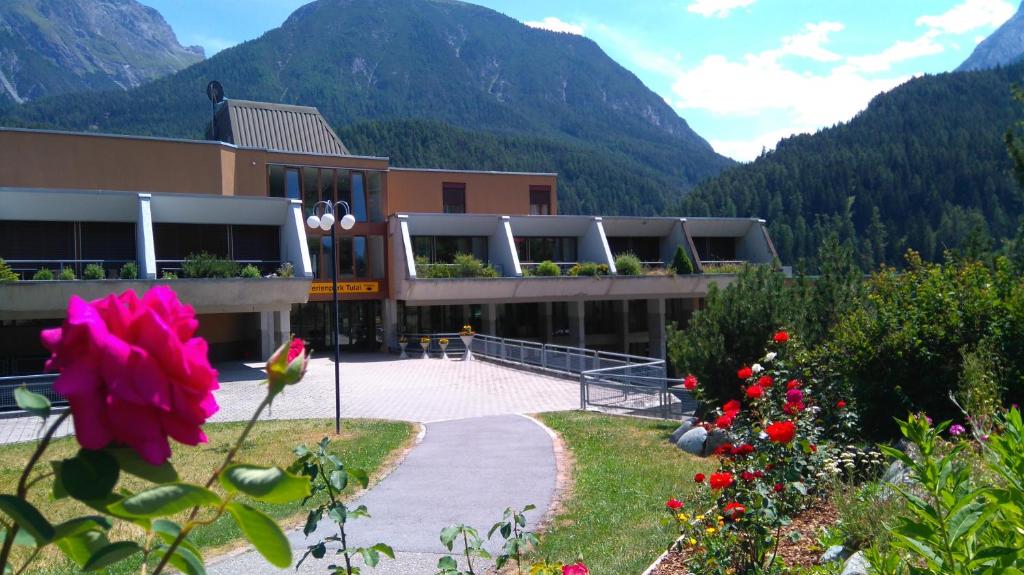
(280, 127)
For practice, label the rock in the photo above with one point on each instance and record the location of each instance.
(857, 564)
(716, 439)
(834, 553)
(692, 441)
(688, 423)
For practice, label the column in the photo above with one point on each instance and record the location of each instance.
(490, 319)
(267, 346)
(621, 310)
(577, 324)
(656, 327)
(546, 323)
(145, 252)
(282, 326)
(389, 315)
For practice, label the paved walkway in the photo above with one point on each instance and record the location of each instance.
(377, 386)
(464, 471)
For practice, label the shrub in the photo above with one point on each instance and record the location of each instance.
(94, 272)
(589, 269)
(250, 271)
(547, 268)
(129, 271)
(285, 270)
(67, 274)
(468, 266)
(681, 263)
(860, 512)
(169, 276)
(628, 264)
(206, 265)
(6, 273)
(43, 274)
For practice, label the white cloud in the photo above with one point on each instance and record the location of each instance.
(901, 51)
(745, 150)
(211, 44)
(970, 15)
(717, 8)
(556, 25)
(810, 42)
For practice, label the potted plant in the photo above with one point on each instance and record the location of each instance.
(466, 335)
(443, 342)
(425, 343)
(402, 343)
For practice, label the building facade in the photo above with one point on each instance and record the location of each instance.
(73, 200)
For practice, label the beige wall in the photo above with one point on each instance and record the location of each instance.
(486, 193)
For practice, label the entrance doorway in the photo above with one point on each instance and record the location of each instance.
(360, 327)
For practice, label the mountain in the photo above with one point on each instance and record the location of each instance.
(52, 47)
(436, 60)
(1004, 46)
(923, 167)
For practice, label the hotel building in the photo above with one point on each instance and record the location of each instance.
(68, 200)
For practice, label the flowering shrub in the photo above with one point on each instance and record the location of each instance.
(424, 340)
(136, 377)
(467, 330)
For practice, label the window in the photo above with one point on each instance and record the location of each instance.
(535, 250)
(178, 241)
(275, 181)
(540, 200)
(313, 244)
(291, 184)
(453, 197)
(255, 243)
(442, 249)
(715, 249)
(637, 315)
(375, 196)
(599, 317)
(358, 204)
(359, 256)
(647, 249)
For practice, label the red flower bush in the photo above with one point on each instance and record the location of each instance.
(734, 510)
(840, 404)
(755, 392)
(673, 503)
(723, 449)
(690, 383)
(723, 422)
(781, 432)
(721, 480)
(793, 407)
(575, 569)
(781, 337)
(793, 384)
(699, 478)
(133, 373)
(765, 381)
(744, 372)
(731, 408)
(747, 476)
(740, 450)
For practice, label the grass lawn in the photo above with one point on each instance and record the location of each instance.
(624, 471)
(368, 444)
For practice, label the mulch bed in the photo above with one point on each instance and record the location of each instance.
(803, 552)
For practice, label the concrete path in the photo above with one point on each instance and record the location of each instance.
(464, 471)
(376, 386)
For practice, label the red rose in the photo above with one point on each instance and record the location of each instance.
(781, 337)
(747, 476)
(792, 384)
(723, 449)
(754, 392)
(781, 432)
(699, 478)
(765, 381)
(734, 510)
(673, 504)
(731, 407)
(296, 348)
(690, 383)
(840, 404)
(814, 448)
(744, 449)
(779, 487)
(793, 407)
(720, 480)
(575, 569)
(759, 474)
(723, 422)
(744, 372)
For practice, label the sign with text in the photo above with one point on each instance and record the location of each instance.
(325, 288)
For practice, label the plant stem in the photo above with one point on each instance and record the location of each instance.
(227, 461)
(469, 560)
(23, 485)
(341, 526)
(28, 561)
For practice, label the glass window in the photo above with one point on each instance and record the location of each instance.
(422, 247)
(358, 197)
(637, 315)
(453, 197)
(314, 255)
(540, 200)
(291, 184)
(310, 189)
(376, 199)
(359, 256)
(108, 241)
(275, 181)
(345, 257)
(256, 243)
(327, 184)
(377, 259)
(325, 246)
(178, 241)
(344, 187)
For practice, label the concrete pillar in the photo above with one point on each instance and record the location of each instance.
(621, 310)
(389, 315)
(546, 322)
(656, 327)
(490, 319)
(145, 251)
(275, 329)
(294, 248)
(282, 326)
(577, 324)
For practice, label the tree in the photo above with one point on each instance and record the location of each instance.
(681, 263)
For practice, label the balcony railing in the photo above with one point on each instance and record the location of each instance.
(723, 266)
(266, 267)
(450, 271)
(563, 267)
(27, 268)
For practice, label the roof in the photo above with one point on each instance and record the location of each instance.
(280, 127)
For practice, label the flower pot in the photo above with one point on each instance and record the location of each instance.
(402, 345)
(467, 340)
(425, 346)
(444, 350)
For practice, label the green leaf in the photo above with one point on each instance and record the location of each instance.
(168, 531)
(33, 403)
(312, 520)
(81, 546)
(339, 514)
(448, 535)
(184, 560)
(164, 500)
(80, 525)
(268, 484)
(339, 479)
(113, 553)
(360, 476)
(130, 462)
(27, 517)
(385, 549)
(263, 533)
(89, 475)
(447, 563)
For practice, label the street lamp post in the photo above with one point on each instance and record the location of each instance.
(325, 222)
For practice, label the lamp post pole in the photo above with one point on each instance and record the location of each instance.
(326, 222)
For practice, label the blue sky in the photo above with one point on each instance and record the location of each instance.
(744, 73)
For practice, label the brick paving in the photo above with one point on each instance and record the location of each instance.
(377, 386)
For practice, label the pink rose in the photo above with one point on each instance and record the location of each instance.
(132, 372)
(575, 569)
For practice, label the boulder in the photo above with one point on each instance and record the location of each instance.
(692, 441)
(716, 439)
(688, 423)
(834, 553)
(857, 564)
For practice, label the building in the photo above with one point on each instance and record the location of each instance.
(68, 200)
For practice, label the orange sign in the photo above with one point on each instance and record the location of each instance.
(326, 288)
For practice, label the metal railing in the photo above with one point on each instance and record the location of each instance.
(42, 384)
(424, 271)
(27, 268)
(266, 267)
(563, 267)
(723, 266)
(608, 380)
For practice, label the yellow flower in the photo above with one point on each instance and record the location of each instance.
(700, 518)
(693, 541)
(710, 530)
(683, 517)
